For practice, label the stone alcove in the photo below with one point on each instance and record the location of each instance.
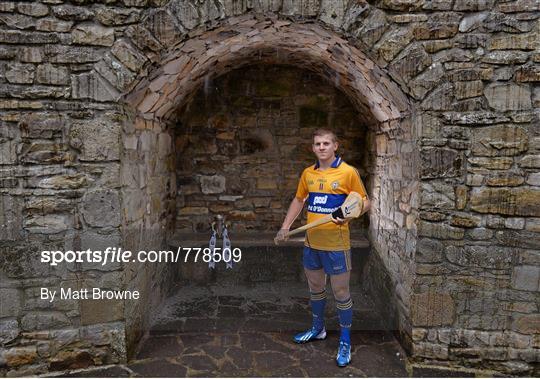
(243, 140)
(152, 141)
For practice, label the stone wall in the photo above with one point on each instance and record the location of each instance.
(246, 137)
(148, 193)
(467, 291)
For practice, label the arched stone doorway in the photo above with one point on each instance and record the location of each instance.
(148, 170)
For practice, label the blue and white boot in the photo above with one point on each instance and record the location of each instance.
(310, 335)
(344, 354)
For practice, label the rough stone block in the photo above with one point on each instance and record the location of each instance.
(73, 54)
(17, 21)
(518, 201)
(461, 193)
(412, 61)
(474, 5)
(514, 223)
(112, 16)
(8, 150)
(472, 21)
(10, 306)
(437, 196)
(21, 38)
(92, 86)
(50, 74)
(403, 5)
(530, 161)
(505, 179)
(128, 55)
(265, 183)
(480, 234)
(527, 324)
(98, 139)
(508, 96)
(514, 42)
(20, 356)
(500, 140)
(465, 90)
(193, 211)
(70, 12)
(440, 231)
(331, 12)
(20, 73)
(32, 321)
(432, 309)
(49, 224)
(533, 224)
(426, 81)
(185, 12)
(143, 39)
(492, 163)
(164, 27)
(505, 57)
(10, 218)
(518, 6)
(429, 251)
(91, 34)
(70, 360)
(33, 9)
(53, 25)
(68, 181)
(101, 311)
(44, 153)
(115, 73)
(436, 28)
(528, 73)
(101, 208)
(465, 221)
(9, 330)
(526, 278)
(212, 184)
(440, 162)
(440, 99)
(514, 238)
(480, 256)
(394, 41)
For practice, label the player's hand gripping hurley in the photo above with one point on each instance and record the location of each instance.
(352, 207)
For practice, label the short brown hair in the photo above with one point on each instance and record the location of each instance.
(324, 132)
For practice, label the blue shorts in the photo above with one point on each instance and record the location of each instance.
(333, 262)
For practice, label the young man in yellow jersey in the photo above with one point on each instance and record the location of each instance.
(325, 186)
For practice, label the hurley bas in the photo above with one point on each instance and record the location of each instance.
(88, 294)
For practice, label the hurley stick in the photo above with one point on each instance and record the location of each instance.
(351, 208)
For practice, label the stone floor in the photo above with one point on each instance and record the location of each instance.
(246, 332)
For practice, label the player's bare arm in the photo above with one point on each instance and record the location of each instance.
(294, 210)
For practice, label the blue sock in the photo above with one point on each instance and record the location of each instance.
(345, 319)
(318, 302)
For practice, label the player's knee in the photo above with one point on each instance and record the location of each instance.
(316, 286)
(341, 293)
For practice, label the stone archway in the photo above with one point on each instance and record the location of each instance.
(148, 147)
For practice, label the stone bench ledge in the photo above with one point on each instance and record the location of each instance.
(262, 239)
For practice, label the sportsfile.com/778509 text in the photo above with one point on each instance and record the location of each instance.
(118, 255)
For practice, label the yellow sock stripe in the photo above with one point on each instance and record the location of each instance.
(318, 296)
(344, 306)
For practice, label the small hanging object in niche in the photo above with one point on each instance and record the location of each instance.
(219, 230)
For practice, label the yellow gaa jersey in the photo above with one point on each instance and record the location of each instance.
(325, 192)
